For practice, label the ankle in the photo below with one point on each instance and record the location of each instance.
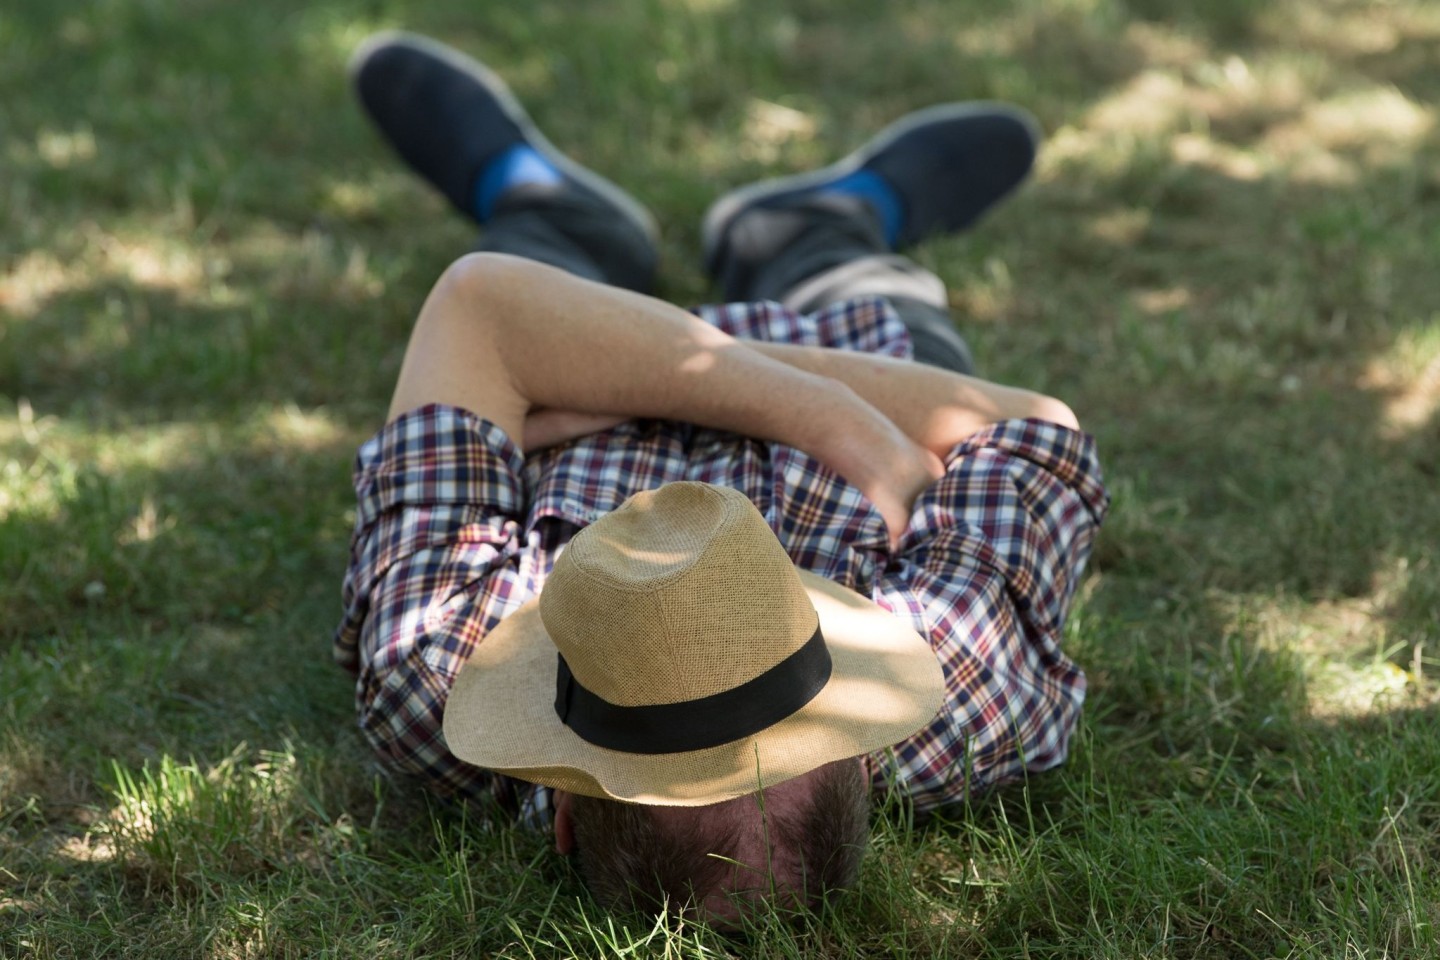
(875, 190)
(519, 165)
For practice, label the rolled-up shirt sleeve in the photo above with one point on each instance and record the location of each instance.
(988, 570)
(434, 564)
(1032, 490)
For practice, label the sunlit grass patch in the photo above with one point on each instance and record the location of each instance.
(251, 813)
(1408, 375)
(1352, 29)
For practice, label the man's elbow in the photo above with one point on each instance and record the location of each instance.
(478, 278)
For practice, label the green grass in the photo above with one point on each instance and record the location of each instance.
(208, 266)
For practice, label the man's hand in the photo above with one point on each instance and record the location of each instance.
(891, 470)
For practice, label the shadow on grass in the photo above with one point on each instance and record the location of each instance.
(1261, 817)
(1278, 446)
(167, 611)
(119, 352)
(197, 529)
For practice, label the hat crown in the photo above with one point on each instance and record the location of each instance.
(681, 593)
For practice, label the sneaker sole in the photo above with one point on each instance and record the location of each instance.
(631, 208)
(723, 210)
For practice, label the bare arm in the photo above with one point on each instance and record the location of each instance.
(936, 408)
(506, 338)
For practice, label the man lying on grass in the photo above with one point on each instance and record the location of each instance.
(694, 587)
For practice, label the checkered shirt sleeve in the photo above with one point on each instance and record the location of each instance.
(435, 564)
(987, 572)
(455, 530)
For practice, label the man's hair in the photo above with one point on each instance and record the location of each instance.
(630, 861)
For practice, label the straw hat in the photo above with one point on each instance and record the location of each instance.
(695, 663)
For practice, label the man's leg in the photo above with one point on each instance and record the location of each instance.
(829, 250)
(457, 125)
(830, 235)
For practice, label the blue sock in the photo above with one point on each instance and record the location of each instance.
(519, 164)
(868, 185)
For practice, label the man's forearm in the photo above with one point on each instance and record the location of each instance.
(936, 408)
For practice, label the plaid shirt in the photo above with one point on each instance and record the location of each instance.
(455, 530)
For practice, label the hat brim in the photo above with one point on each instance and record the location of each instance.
(885, 684)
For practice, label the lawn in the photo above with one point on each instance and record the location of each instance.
(1226, 264)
